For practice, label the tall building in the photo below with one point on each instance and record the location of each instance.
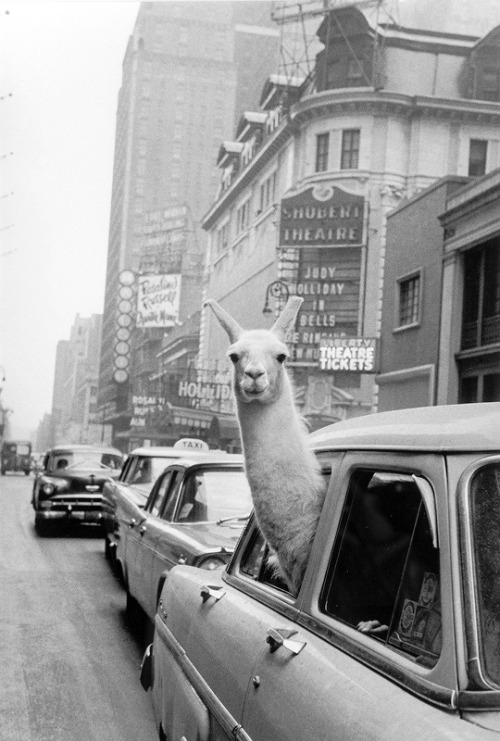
(190, 68)
(75, 417)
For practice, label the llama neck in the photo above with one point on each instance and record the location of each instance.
(274, 445)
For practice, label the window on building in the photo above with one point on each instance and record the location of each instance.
(478, 150)
(355, 72)
(267, 192)
(322, 146)
(243, 216)
(489, 84)
(222, 238)
(350, 149)
(409, 297)
(481, 296)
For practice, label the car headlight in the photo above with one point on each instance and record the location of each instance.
(48, 489)
(212, 563)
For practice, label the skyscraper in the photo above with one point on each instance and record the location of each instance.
(186, 78)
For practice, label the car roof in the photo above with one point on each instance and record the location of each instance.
(83, 448)
(454, 427)
(158, 452)
(210, 458)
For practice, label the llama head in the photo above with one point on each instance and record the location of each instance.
(258, 355)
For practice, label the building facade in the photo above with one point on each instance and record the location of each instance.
(182, 88)
(440, 340)
(308, 180)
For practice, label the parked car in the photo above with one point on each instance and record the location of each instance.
(16, 456)
(194, 515)
(133, 486)
(395, 630)
(68, 488)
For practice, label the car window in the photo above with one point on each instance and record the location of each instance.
(157, 496)
(383, 577)
(167, 508)
(260, 565)
(214, 495)
(485, 516)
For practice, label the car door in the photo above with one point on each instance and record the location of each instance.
(221, 629)
(144, 582)
(376, 601)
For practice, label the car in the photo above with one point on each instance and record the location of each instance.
(133, 486)
(16, 456)
(68, 487)
(395, 629)
(194, 515)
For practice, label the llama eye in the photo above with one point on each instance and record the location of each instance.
(281, 358)
(234, 357)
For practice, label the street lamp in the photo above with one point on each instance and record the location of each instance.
(279, 292)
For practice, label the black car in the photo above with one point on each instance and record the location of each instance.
(68, 488)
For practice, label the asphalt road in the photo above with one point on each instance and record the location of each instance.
(69, 662)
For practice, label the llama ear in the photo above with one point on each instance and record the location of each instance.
(230, 325)
(288, 316)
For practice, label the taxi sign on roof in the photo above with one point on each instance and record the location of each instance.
(191, 443)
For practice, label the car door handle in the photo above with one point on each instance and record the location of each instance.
(142, 529)
(132, 522)
(215, 592)
(277, 637)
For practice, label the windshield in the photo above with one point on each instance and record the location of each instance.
(215, 495)
(84, 459)
(485, 508)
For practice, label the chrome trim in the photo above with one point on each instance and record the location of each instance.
(433, 693)
(200, 686)
(277, 601)
(477, 677)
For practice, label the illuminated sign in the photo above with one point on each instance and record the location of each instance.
(158, 299)
(322, 215)
(352, 354)
(329, 281)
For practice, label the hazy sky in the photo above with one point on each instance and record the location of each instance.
(61, 61)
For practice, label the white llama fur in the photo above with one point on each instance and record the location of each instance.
(284, 476)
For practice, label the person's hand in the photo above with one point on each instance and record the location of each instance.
(371, 626)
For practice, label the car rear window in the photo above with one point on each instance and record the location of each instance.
(82, 459)
(209, 496)
(146, 469)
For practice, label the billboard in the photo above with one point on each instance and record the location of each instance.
(352, 354)
(158, 299)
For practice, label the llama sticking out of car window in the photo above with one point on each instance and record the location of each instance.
(283, 473)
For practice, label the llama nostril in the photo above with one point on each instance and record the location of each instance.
(254, 373)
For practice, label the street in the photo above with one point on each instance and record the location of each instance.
(70, 663)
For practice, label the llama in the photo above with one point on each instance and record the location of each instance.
(284, 476)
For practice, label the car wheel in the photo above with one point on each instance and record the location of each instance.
(107, 549)
(43, 528)
(133, 611)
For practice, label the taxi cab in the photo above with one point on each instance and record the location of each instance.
(194, 515)
(395, 631)
(132, 487)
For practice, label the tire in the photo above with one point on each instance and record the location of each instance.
(134, 613)
(107, 550)
(43, 528)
